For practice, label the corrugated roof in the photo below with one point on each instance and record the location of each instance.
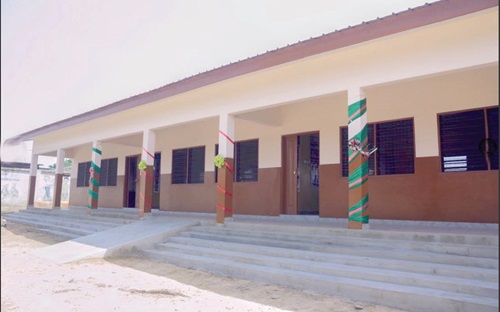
(368, 30)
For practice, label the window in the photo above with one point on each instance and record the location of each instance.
(371, 160)
(188, 165)
(216, 169)
(156, 173)
(108, 173)
(462, 137)
(247, 161)
(83, 174)
(396, 148)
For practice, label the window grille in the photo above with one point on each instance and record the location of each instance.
(247, 161)
(188, 165)
(396, 148)
(156, 173)
(461, 136)
(108, 176)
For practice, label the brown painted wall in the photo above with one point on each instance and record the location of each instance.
(427, 195)
(188, 197)
(333, 192)
(257, 198)
(109, 196)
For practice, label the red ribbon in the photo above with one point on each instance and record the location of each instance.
(149, 177)
(151, 155)
(227, 137)
(229, 168)
(144, 199)
(224, 191)
(224, 208)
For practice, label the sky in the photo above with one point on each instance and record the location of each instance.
(61, 58)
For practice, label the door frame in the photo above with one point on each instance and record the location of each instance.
(126, 180)
(289, 168)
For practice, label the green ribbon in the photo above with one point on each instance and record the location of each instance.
(93, 194)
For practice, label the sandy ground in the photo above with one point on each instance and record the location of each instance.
(29, 283)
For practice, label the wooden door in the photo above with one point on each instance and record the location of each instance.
(130, 183)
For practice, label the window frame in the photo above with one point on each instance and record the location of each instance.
(374, 155)
(235, 163)
(157, 172)
(236, 160)
(102, 182)
(486, 131)
(186, 174)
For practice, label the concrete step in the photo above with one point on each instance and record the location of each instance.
(60, 233)
(395, 295)
(70, 218)
(43, 225)
(369, 251)
(56, 221)
(424, 273)
(437, 269)
(329, 231)
(317, 236)
(119, 213)
(401, 277)
(76, 214)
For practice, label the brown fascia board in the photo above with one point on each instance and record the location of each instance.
(397, 22)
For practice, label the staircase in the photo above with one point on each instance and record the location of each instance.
(416, 271)
(69, 223)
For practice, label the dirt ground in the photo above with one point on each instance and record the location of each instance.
(30, 283)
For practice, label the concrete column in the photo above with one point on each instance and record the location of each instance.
(226, 173)
(95, 175)
(56, 203)
(147, 175)
(358, 162)
(32, 185)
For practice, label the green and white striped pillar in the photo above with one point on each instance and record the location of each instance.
(358, 165)
(95, 175)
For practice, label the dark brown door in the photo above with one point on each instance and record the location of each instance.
(308, 174)
(130, 181)
(300, 162)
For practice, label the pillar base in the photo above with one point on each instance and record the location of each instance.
(354, 225)
(146, 215)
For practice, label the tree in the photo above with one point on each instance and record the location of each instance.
(67, 164)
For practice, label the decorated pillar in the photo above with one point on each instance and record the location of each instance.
(225, 162)
(146, 169)
(95, 176)
(56, 203)
(358, 160)
(32, 185)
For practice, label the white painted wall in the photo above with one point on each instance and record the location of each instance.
(390, 70)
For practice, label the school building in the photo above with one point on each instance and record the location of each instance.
(294, 128)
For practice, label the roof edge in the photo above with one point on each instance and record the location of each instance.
(391, 24)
